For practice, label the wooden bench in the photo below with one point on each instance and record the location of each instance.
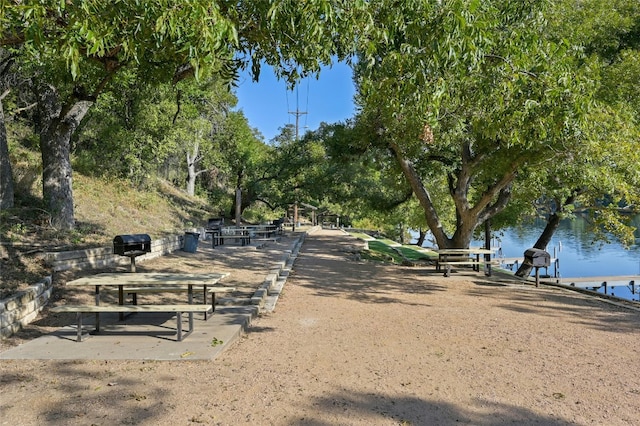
(178, 309)
(133, 291)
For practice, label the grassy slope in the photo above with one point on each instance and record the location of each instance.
(109, 209)
(103, 209)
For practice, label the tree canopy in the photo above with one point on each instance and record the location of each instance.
(474, 97)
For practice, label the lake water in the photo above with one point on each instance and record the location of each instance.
(577, 255)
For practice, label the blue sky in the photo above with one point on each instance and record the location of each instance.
(267, 104)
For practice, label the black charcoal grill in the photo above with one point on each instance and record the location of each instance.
(132, 246)
(537, 258)
(278, 224)
(214, 227)
(215, 224)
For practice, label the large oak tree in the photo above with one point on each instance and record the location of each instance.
(471, 96)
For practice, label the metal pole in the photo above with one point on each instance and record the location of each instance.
(238, 206)
(487, 245)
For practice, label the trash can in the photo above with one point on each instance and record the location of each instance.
(191, 242)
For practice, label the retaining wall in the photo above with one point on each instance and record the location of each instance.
(103, 256)
(23, 307)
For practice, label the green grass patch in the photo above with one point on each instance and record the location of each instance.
(380, 250)
(361, 235)
(413, 253)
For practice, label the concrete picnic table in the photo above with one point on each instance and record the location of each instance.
(149, 282)
(445, 255)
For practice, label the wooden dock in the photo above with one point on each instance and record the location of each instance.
(515, 262)
(630, 281)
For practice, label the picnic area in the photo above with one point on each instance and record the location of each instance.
(355, 342)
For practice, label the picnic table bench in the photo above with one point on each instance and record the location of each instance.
(134, 291)
(179, 309)
(219, 235)
(456, 257)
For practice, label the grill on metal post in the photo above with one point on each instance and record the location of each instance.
(537, 258)
(215, 223)
(278, 224)
(214, 227)
(132, 246)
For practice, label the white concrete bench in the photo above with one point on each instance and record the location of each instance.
(212, 290)
(474, 263)
(218, 238)
(178, 309)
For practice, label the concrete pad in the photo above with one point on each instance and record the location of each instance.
(141, 336)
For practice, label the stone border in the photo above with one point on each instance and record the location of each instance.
(103, 256)
(20, 309)
(266, 295)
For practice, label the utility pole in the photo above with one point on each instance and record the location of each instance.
(297, 113)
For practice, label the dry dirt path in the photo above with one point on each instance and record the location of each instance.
(353, 343)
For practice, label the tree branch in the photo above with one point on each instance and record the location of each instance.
(26, 108)
(508, 62)
(178, 98)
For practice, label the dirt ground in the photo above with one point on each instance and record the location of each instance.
(356, 343)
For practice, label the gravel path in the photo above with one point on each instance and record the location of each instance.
(355, 343)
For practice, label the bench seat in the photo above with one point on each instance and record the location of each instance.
(468, 262)
(212, 290)
(475, 263)
(218, 236)
(178, 309)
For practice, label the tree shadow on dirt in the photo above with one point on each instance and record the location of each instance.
(553, 302)
(345, 406)
(368, 282)
(103, 397)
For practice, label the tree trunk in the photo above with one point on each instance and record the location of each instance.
(192, 165)
(191, 173)
(422, 235)
(238, 212)
(424, 198)
(57, 125)
(467, 219)
(493, 200)
(6, 175)
(550, 228)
